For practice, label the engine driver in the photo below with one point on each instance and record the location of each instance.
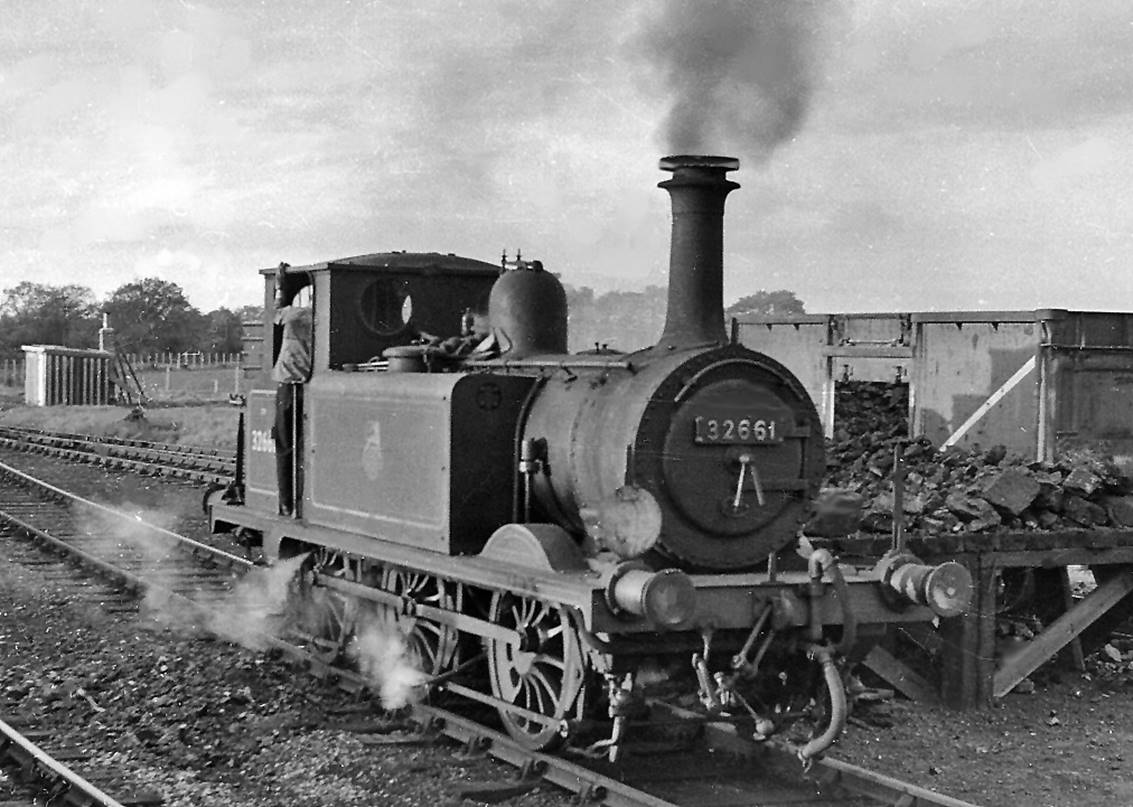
(292, 369)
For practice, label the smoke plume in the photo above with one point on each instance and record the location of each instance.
(740, 72)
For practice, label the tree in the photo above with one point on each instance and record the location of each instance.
(152, 315)
(38, 314)
(780, 302)
(250, 313)
(225, 333)
(622, 320)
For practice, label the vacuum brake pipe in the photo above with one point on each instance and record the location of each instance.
(815, 748)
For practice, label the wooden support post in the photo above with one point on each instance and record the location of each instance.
(1077, 656)
(1060, 632)
(968, 641)
(903, 679)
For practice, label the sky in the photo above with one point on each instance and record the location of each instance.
(931, 155)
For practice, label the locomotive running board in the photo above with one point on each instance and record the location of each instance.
(732, 600)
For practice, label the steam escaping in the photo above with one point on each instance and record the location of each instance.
(265, 603)
(380, 652)
(127, 534)
(741, 72)
(253, 610)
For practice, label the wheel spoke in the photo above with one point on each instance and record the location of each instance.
(528, 609)
(539, 678)
(425, 654)
(535, 700)
(550, 661)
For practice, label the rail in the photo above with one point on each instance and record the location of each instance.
(64, 784)
(165, 459)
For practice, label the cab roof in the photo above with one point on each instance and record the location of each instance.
(424, 263)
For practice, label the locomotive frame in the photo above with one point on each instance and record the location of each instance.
(576, 524)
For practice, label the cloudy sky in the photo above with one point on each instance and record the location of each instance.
(895, 155)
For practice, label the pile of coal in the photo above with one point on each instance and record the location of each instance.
(972, 491)
(874, 410)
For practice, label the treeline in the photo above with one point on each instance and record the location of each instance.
(630, 320)
(148, 316)
(152, 316)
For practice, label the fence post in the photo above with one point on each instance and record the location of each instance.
(167, 370)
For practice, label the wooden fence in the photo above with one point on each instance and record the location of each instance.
(12, 372)
(12, 368)
(188, 361)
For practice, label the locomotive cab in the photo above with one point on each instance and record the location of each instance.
(361, 307)
(366, 304)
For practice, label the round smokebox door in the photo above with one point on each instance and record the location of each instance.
(731, 459)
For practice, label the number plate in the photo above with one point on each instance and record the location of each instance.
(732, 430)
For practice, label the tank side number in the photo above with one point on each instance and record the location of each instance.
(744, 431)
(261, 441)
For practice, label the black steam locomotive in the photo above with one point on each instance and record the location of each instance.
(574, 540)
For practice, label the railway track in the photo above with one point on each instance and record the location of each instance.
(724, 769)
(140, 456)
(38, 774)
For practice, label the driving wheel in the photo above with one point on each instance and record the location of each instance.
(325, 619)
(542, 676)
(429, 645)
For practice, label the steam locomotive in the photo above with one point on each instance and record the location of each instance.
(577, 541)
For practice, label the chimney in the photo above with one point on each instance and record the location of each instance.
(696, 267)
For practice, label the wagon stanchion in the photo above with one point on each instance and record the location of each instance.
(898, 498)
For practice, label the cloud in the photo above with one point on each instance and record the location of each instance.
(213, 274)
(940, 141)
(1021, 64)
(1076, 163)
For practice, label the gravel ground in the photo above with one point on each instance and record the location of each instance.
(202, 721)
(1069, 742)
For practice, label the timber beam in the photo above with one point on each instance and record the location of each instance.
(1060, 632)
